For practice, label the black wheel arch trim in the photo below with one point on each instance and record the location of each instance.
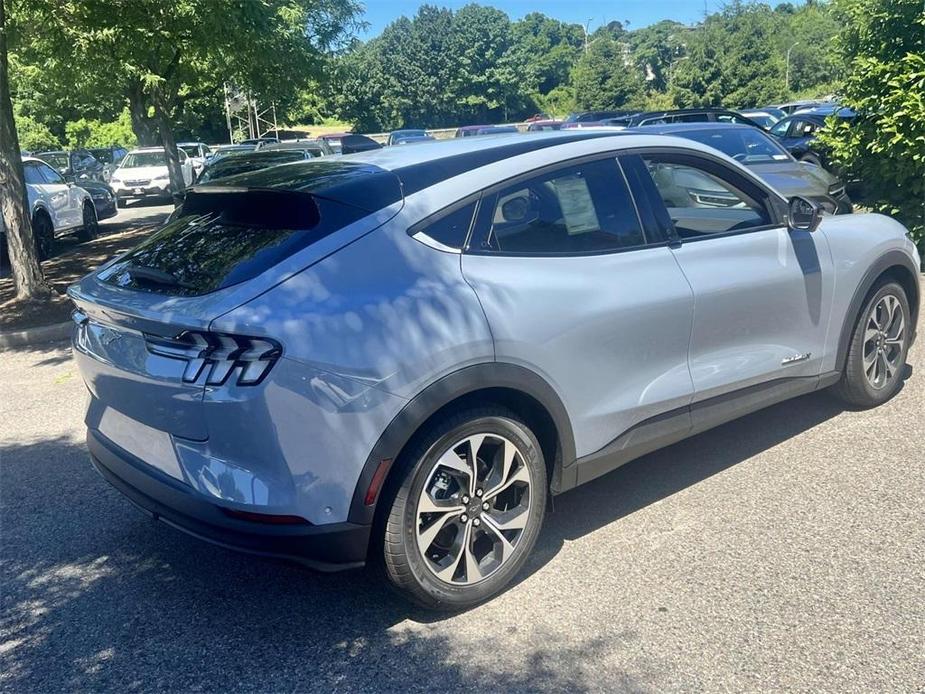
(890, 259)
(443, 392)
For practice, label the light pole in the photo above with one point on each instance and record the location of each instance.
(787, 72)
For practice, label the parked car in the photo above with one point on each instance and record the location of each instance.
(317, 148)
(497, 130)
(351, 144)
(250, 161)
(198, 153)
(78, 165)
(143, 173)
(594, 116)
(681, 115)
(397, 136)
(259, 140)
(791, 106)
(414, 140)
(220, 151)
(469, 130)
(349, 359)
(334, 140)
(109, 157)
(764, 155)
(763, 118)
(57, 207)
(778, 113)
(104, 198)
(544, 125)
(797, 133)
(537, 117)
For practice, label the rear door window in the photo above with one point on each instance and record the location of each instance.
(573, 210)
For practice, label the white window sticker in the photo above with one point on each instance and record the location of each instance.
(576, 204)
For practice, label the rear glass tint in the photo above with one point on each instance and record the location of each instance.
(225, 238)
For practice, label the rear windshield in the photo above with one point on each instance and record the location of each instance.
(225, 238)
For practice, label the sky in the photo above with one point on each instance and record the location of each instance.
(640, 13)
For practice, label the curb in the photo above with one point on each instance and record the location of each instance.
(34, 336)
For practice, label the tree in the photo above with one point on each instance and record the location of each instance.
(655, 48)
(883, 44)
(605, 77)
(161, 55)
(27, 273)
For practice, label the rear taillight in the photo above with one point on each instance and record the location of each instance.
(219, 355)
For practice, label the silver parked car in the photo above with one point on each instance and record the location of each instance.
(764, 155)
(395, 357)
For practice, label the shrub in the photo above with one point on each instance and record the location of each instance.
(884, 146)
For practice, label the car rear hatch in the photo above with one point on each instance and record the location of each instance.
(143, 342)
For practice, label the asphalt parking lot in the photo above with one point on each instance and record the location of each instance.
(780, 552)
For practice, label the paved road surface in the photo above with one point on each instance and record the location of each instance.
(785, 551)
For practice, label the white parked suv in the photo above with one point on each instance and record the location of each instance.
(198, 152)
(57, 208)
(143, 173)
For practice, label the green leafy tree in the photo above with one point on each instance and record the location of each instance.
(655, 48)
(547, 50)
(606, 78)
(883, 44)
(95, 133)
(33, 135)
(160, 55)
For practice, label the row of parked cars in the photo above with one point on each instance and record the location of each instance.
(67, 188)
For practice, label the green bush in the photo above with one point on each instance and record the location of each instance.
(35, 136)
(94, 133)
(884, 146)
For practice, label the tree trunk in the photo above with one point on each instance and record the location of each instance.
(177, 182)
(27, 273)
(144, 127)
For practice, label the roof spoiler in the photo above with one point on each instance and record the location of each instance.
(263, 207)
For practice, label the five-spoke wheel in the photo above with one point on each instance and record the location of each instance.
(473, 508)
(468, 510)
(876, 356)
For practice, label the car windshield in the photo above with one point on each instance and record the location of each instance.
(746, 144)
(136, 160)
(56, 159)
(191, 150)
(103, 155)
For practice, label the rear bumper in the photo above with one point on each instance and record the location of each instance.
(323, 547)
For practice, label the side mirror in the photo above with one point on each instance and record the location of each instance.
(803, 214)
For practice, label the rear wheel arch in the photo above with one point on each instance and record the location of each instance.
(514, 387)
(893, 265)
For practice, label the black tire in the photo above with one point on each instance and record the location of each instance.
(811, 158)
(856, 387)
(91, 226)
(403, 562)
(44, 233)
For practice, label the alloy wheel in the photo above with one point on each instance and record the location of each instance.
(884, 336)
(473, 509)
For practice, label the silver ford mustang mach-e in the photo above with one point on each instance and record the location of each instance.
(395, 357)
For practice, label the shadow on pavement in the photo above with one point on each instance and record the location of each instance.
(96, 595)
